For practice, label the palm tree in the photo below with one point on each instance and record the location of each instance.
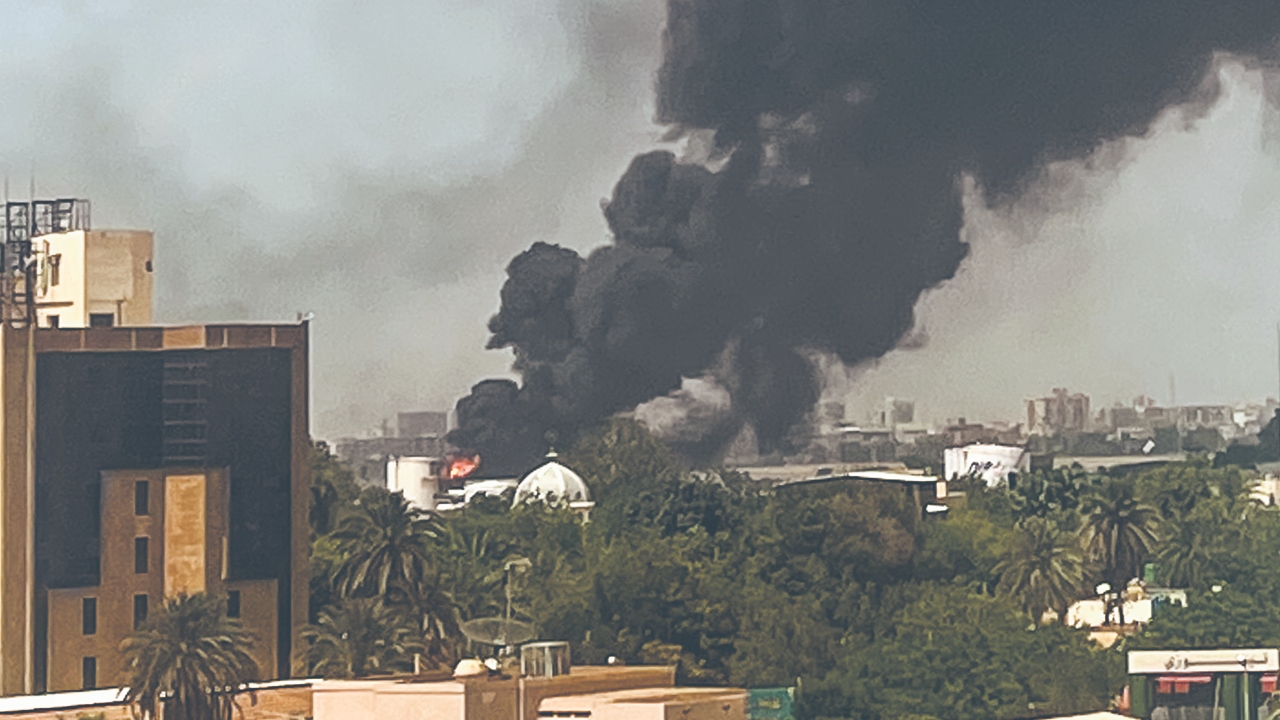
(359, 637)
(1197, 540)
(385, 543)
(191, 657)
(1044, 569)
(1121, 533)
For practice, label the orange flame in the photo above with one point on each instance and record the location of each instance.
(463, 466)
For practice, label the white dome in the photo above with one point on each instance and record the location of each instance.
(552, 483)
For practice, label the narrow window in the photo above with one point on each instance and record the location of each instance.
(233, 604)
(139, 610)
(141, 546)
(89, 616)
(89, 673)
(54, 321)
(142, 498)
(102, 320)
(55, 269)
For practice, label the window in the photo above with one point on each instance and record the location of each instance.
(139, 610)
(233, 604)
(140, 552)
(89, 673)
(101, 320)
(54, 321)
(142, 498)
(89, 616)
(55, 269)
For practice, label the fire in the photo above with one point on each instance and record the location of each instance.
(463, 466)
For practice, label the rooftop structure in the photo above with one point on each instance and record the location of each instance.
(97, 278)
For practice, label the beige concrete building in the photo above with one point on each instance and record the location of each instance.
(98, 278)
(136, 462)
(213, 421)
(599, 693)
(164, 533)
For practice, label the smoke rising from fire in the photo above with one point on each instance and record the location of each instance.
(842, 132)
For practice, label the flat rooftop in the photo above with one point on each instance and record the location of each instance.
(168, 337)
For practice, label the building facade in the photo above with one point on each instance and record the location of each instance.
(98, 278)
(219, 412)
(1061, 411)
(164, 533)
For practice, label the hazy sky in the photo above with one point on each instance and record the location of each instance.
(374, 163)
(378, 164)
(1156, 256)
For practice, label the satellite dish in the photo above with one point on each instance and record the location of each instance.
(502, 632)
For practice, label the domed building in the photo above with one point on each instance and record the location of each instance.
(555, 484)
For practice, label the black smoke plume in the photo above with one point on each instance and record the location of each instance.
(839, 132)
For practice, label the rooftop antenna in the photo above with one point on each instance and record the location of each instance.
(1173, 392)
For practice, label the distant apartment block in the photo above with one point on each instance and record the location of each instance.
(419, 435)
(1061, 411)
(897, 411)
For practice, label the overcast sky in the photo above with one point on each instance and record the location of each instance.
(378, 164)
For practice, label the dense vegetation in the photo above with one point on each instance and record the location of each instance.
(842, 590)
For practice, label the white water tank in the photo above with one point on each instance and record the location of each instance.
(417, 477)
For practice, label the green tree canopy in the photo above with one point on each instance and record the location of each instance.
(384, 541)
(1044, 568)
(1225, 619)
(359, 637)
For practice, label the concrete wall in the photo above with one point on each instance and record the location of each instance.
(258, 603)
(588, 679)
(99, 272)
(602, 693)
(290, 702)
(67, 299)
(17, 522)
(118, 270)
(186, 526)
(651, 704)
(480, 698)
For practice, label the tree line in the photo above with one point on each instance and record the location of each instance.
(843, 591)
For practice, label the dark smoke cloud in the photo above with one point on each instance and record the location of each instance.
(841, 132)
(376, 164)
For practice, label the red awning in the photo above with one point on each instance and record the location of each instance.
(1181, 684)
(1268, 683)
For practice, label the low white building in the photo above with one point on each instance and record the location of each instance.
(993, 463)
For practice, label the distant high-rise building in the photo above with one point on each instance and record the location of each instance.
(1060, 411)
(898, 411)
(419, 435)
(427, 423)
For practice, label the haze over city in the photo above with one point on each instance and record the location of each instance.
(292, 170)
